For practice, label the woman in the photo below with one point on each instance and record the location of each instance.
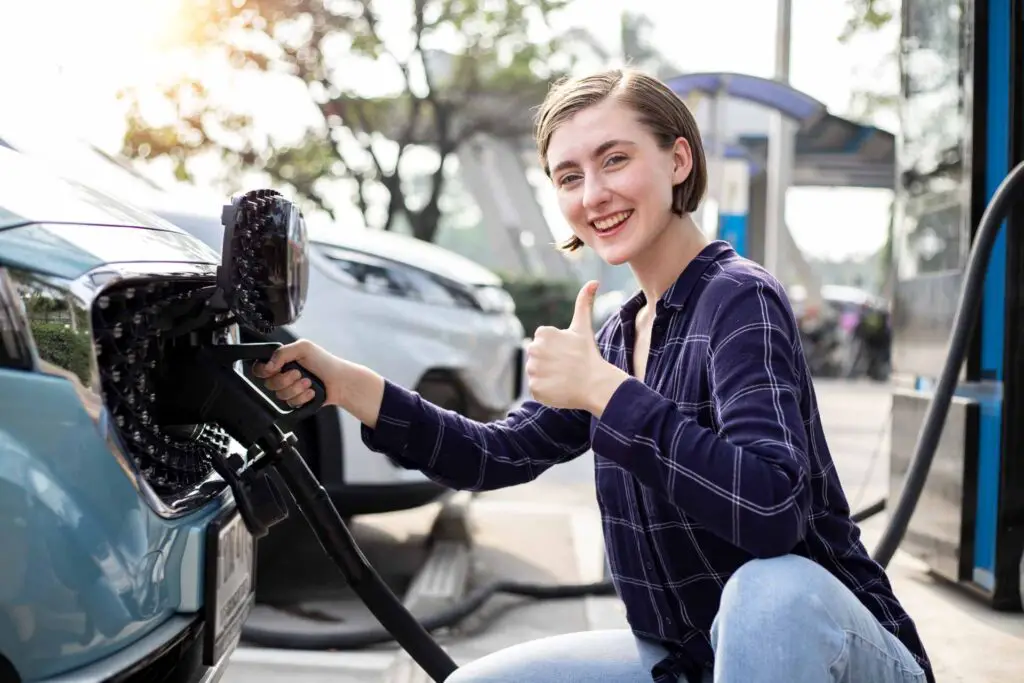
(727, 529)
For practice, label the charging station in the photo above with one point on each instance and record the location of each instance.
(962, 109)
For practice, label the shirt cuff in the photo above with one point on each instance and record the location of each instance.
(398, 410)
(629, 405)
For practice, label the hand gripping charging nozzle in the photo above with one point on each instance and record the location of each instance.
(208, 384)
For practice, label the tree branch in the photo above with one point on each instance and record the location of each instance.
(499, 58)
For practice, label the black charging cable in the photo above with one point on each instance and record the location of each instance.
(323, 518)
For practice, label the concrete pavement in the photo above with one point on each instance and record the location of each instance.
(549, 532)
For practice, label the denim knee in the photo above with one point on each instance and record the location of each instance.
(773, 596)
(789, 618)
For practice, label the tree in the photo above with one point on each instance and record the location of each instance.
(868, 17)
(442, 72)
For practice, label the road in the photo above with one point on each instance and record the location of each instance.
(545, 531)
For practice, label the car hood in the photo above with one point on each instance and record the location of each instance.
(54, 224)
(70, 250)
(412, 252)
(30, 192)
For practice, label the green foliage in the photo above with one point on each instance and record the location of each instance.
(871, 16)
(867, 16)
(542, 301)
(59, 344)
(491, 65)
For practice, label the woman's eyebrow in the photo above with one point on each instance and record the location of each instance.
(598, 151)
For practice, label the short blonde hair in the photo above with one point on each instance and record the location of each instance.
(660, 109)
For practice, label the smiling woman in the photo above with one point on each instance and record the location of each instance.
(720, 500)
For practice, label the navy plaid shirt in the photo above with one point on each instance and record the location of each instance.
(716, 458)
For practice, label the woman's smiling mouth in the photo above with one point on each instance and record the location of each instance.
(610, 224)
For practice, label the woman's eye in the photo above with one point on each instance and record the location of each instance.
(615, 159)
(568, 178)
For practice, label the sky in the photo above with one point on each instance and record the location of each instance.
(83, 52)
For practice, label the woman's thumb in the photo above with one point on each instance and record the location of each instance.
(583, 314)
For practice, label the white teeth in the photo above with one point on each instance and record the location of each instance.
(612, 221)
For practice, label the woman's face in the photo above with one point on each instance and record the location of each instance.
(614, 183)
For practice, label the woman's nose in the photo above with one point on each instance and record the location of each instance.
(595, 193)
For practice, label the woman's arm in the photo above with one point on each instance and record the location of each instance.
(449, 448)
(467, 454)
(748, 484)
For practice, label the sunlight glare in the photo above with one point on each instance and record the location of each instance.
(108, 40)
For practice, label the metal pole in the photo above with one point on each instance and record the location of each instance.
(781, 140)
(716, 156)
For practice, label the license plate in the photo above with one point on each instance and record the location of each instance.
(229, 584)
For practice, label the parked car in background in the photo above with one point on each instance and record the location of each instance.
(123, 556)
(419, 314)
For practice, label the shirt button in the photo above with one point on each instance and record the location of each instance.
(650, 565)
(668, 621)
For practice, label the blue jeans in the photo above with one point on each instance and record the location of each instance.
(781, 619)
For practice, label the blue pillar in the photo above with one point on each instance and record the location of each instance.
(993, 330)
(733, 207)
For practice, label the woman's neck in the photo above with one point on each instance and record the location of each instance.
(666, 258)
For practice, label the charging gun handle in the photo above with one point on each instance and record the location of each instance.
(262, 351)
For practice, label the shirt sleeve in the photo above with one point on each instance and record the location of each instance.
(749, 482)
(467, 454)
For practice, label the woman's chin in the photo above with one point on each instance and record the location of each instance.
(615, 254)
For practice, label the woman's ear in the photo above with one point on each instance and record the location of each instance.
(682, 160)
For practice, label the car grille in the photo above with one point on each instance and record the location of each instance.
(130, 334)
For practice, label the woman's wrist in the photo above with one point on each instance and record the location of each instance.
(337, 383)
(357, 390)
(604, 385)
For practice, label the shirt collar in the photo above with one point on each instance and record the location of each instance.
(676, 295)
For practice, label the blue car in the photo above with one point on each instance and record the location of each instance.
(122, 554)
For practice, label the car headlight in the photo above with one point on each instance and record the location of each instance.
(376, 275)
(495, 299)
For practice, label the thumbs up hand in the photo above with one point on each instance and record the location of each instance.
(565, 368)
